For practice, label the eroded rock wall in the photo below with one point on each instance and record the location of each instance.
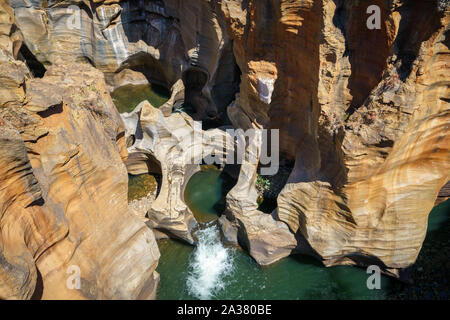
(63, 188)
(173, 146)
(164, 40)
(363, 112)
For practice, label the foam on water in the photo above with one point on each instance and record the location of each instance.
(209, 264)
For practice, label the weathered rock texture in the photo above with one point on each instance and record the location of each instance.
(266, 239)
(173, 146)
(363, 112)
(165, 40)
(63, 194)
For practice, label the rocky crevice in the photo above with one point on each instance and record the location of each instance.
(362, 113)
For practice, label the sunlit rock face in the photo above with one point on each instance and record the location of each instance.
(164, 40)
(29, 226)
(63, 194)
(79, 216)
(86, 177)
(172, 146)
(265, 237)
(363, 112)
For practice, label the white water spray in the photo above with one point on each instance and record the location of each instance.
(208, 266)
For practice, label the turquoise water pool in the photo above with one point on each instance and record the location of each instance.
(296, 277)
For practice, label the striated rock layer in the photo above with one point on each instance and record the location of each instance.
(265, 237)
(363, 112)
(63, 194)
(166, 41)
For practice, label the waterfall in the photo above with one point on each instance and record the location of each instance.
(210, 263)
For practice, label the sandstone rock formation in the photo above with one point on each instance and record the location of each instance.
(266, 239)
(63, 189)
(362, 111)
(174, 146)
(29, 227)
(165, 41)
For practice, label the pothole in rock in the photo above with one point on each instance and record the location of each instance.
(126, 98)
(142, 191)
(206, 191)
(140, 186)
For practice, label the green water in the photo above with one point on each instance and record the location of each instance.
(205, 193)
(439, 217)
(431, 272)
(296, 277)
(126, 98)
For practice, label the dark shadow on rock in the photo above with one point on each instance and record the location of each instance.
(228, 183)
(367, 67)
(150, 67)
(56, 109)
(38, 291)
(37, 68)
(39, 202)
(415, 13)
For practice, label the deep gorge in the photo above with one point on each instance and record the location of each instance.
(102, 104)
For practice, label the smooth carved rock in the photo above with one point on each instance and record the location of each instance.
(29, 226)
(176, 98)
(117, 254)
(177, 144)
(362, 112)
(266, 238)
(127, 77)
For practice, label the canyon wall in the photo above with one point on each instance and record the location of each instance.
(364, 113)
(165, 41)
(63, 195)
(174, 147)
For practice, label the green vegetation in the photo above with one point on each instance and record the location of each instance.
(140, 186)
(262, 184)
